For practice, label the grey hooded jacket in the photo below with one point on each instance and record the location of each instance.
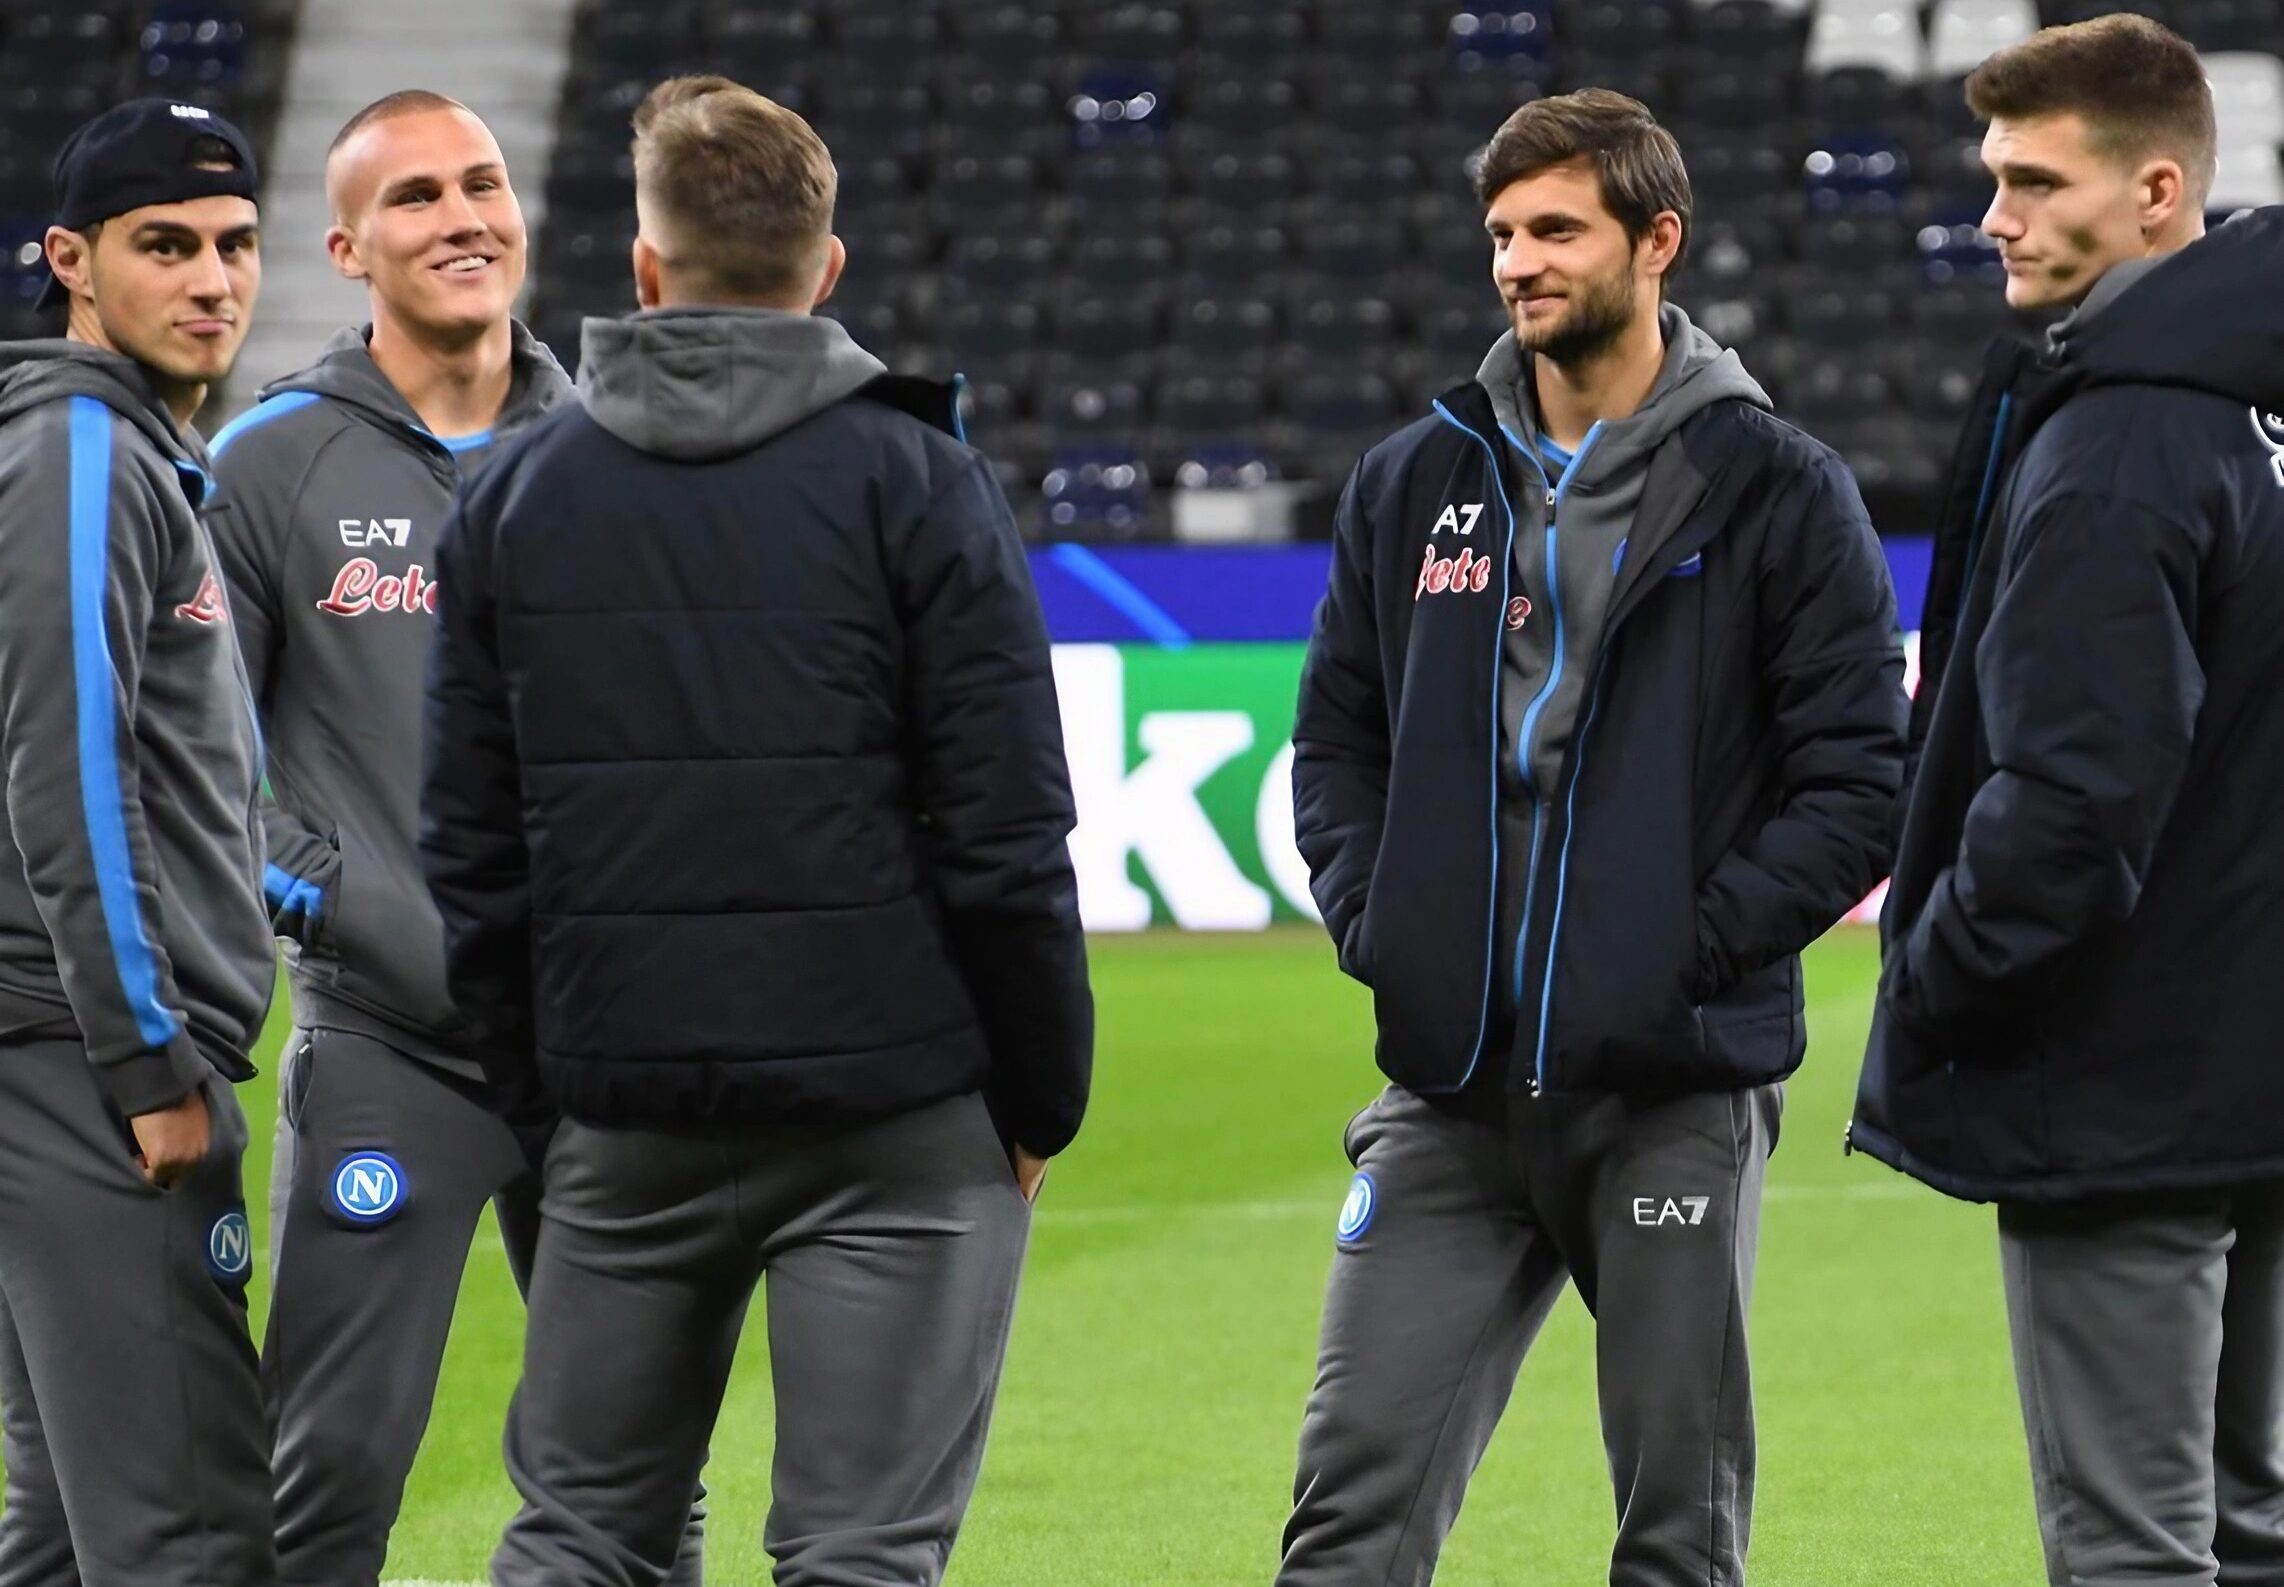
(332, 493)
(131, 911)
(1572, 538)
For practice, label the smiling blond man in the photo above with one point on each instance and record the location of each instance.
(332, 492)
(134, 964)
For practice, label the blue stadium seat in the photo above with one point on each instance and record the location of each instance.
(1483, 34)
(190, 44)
(1096, 492)
(1115, 105)
(1857, 173)
(1955, 249)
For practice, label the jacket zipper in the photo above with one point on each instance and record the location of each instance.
(1498, 659)
(1527, 732)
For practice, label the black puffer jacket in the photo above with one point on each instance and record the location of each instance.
(745, 791)
(2081, 993)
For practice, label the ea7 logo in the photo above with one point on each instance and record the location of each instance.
(2270, 428)
(1653, 1212)
(1459, 518)
(362, 532)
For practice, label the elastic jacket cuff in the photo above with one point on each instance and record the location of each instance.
(155, 1078)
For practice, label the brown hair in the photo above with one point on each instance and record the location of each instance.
(743, 186)
(1636, 161)
(404, 102)
(2136, 84)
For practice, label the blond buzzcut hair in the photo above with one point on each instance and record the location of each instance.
(739, 188)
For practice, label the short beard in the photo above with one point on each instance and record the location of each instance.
(1599, 313)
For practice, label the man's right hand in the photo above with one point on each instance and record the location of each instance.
(172, 1141)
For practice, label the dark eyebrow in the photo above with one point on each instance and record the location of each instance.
(405, 185)
(2019, 174)
(1538, 223)
(483, 168)
(165, 231)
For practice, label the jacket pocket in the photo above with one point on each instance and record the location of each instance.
(1754, 1032)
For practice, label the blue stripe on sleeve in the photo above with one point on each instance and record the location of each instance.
(92, 675)
(289, 894)
(254, 418)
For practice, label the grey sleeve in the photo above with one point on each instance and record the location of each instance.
(250, 519)
(82, 538)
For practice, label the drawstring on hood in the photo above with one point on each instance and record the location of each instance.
(696, 385)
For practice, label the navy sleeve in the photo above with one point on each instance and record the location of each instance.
(472, 843)
(1341, 747)
(2090, 686)
(1831, 661)
(995, 802)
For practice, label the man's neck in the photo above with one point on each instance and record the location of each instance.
(180, 399)
(457, 387)
(1611, 385)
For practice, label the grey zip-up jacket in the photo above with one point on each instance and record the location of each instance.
(332, 493)
(1572, 537)
(131, 911)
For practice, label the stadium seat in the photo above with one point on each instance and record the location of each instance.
(1616, 27)
(1484, 34)
(1124, 262)
(1239, 110)
(1233, 332)
(2250, 176)
(988, 263)
(1883, 34)
(188, 44)
(1234, 258)
(1964, 33)
(1350, 251)
(1245, 182)
(1954, 248)
(1857, 173)
(1115, 105)
(1020, 40)
(2224, 26)
(2248, 97)
(1373, 33)
(1326, 325)
(1198, 405)
(1097, 492)
(1129, 32)
(1262, 37)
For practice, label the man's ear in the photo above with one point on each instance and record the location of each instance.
(71, 256)
(342, 249)
(2161, 188)
(647, 288)
(1661, 244)
(836, 260)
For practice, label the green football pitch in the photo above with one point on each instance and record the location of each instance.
(1165, 1338)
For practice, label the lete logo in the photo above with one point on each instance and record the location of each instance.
(2270, 428)
(1457, 575)
(362, 587)
(206, 605)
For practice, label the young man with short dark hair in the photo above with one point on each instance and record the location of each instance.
(746, 810)
(1600, 726)
(2080, 1003)
(135, 955)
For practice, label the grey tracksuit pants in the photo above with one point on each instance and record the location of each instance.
(365, 1287)
(890, 1252)
(1454, 1245)
(2149, 1350)
(130, 1407)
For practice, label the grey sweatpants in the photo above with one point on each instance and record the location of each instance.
(2149, 1351)
(365, 1287)
(890, 1252)
(130, 1406)
(1453, 1246)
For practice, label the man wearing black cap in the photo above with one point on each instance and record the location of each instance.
(135, 955)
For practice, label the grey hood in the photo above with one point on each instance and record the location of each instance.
(345, 372)
(43, 371)
(1697, 373)
(701, 384)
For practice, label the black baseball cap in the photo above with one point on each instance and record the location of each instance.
(146, 151)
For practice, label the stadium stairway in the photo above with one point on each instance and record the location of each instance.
(505, 59)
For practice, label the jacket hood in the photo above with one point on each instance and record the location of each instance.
(2210, 318)
(45, 371)
(346, 373)
(700, 384)
(1697, 373)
